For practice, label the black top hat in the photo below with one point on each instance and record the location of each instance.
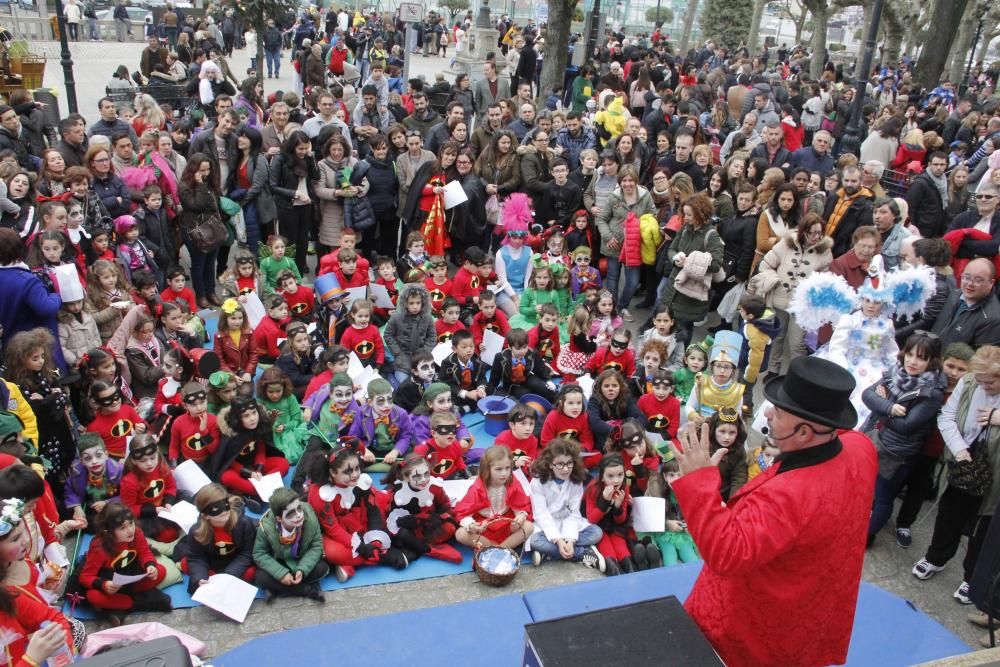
(817, 390)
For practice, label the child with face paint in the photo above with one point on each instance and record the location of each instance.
(114, 420)
(121, 547)
(148, 489)
(93, 481)
(557, 486)
(719, 387)
(496, 510)
(582, 273)
(383, 427)
(437, 398)
(246, 448)
(661, 406)
(351, 512)
(289, 426)
(288, 549)
(411, 390)
(568, 419)
(519, 370)
(464, 372)
(420, 520)
(442, 449)
(220, 543)
(195, 435)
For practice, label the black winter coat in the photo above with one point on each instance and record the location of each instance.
(858, 214)
(284, 182)
(156, 234)
(740, 238)
(383, 187)
(926, 209)
(204, 557)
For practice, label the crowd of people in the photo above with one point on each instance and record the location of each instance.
(157, 309)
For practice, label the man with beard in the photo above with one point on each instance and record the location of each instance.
(848, 209)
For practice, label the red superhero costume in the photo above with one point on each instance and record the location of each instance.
(518, 447)
(143, 493)
(186, 294)
(498, 324)
(614, 521)
(128, 558)
(301, 302)
(330, 262)
(114, 429)
(189, 441)
(438, 293)
(546, 343)
(366, 343)
(558, 425)
(603, 359)
(445, 462)
(788, 545)
(446, 331)
(664, 416)
(466, 286)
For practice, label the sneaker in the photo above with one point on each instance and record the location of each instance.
(962, 593)
(639, 556)
(342, 574)
(924, 569)
(904, 538)
(536, 557)
(980, 619)
(593, 559)
(627, 316)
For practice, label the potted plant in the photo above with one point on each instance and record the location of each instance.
(22, 62)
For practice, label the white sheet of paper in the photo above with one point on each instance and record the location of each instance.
(367, 375)
(183, 513)
(649, 514)
(69, 279)
(587, 384)
(267, 485)
(523, 479)
(228, 595)
(128, 445)
(454, 195)
(190, 477)
(493, 343)
(380, 295)
(354, 365)
(456, 488)
(255, 310)
(441, 352)
(355, 293)
(126, 579)
(55, 553)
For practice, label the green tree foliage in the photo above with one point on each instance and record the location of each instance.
(455, 6)
(666, 15)
(726, 21)
(257, 12)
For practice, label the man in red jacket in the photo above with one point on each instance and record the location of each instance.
(789, 546)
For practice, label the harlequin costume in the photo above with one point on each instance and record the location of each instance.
(445, 462)
(498, 324)
(353, 517)
(604, 359)
(188, 441)
(461, 377)
(422, 521)
(115, 429)
(476, 507)
(242, 453)
(366, 343)
(519, 376)
(518, 446)
(445, 331)
(127, 558)
(438, 293)
(227, 552)
(777, 547)
(143, 493)
(546, 343)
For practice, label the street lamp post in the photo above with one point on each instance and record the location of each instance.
(66, 59)
(595, 23)
(851, 141)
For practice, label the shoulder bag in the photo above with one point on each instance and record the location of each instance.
(209, 233)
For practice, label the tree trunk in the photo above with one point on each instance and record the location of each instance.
(753, 38)
(893, 37)
(692, 9)
(984, 45)
(800, 24)
(821, 15)
(963, 42)
(944, 19)
(557, 46)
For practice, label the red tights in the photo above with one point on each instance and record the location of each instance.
(122, 601)
(613, 546)
(338, 554)
(232, 480)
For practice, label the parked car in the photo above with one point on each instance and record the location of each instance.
(136, 14)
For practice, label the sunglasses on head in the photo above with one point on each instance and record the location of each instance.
(619, 344)
(110, 399)
(517, 235)
(196, 398)
(439, 265)
(446, 429)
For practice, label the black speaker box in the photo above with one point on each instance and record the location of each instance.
(162, 652)
(654, 632)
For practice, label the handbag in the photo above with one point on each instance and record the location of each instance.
(492, 210)
(209, 233)
(975, 477)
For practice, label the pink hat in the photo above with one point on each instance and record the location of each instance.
(123, 223)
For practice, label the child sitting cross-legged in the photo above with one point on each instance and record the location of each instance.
(421, 519)
(246, 451)
(442, 449)
(288, 549)
(675, 543)
(519, 370)
(411, 390)
(495, 511)
(520, 438)
(93, 481)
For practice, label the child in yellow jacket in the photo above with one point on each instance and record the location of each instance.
(760, 327)
(650, 239)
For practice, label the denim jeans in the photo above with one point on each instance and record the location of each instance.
(886, 491)
(92, 25)
(588, 536)
(250, 218)
(273, 59)
(202, 270)
(615, 267)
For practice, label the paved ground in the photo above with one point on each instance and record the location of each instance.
(886, 565)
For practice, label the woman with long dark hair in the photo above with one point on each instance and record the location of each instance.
(252, 190)
(383, 193)
(424, 208)
(199, 195)
(292, 174)
(780, 217)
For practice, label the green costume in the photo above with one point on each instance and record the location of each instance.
(287, 412)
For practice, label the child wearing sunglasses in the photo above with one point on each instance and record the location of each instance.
(114, 421)
(443, 450)
(194, 435)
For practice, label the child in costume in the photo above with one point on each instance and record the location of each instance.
(114, 421)
(221, 391)
(362, 337)
(513, 261)
(581, 234)
(245, 448)
(330, 414)
(296, 360)
(386, 268)
(661, 407)
(438, 284)
(289, 427)
(568, 419)
(334, 359)
(421, 520)
(495, 511)
(545, 336)
(641, 460)
(663, 331)
(653, 356)
(557, 485)
(349, 274)
(616, 355)
(177, 289)
(383, 427)
(271, 327)
(520, 370)
(333, 260)
(194, 435)
(519, 438)
(301, 299)
(448, 323)
(409, 392)
(488, 318)
(606, 504)
(442, 449)
(555, 247)
(695, 361)
(541, 290)
(675, 543)
(726, 431)
(274, 264)
(351, 512)
(464, 372)
(221, 542)
(760, 327)
(244, 278)
(414, 257)
(467, 285)
(606, 318)
(288, 549)
(93, 481)
(610, 405)
(148, 489)
(120, 547)
(178, 370)
(719, 387)
(437, 398)
(582, 273)
(573, 358)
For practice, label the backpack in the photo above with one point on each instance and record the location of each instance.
(829, 122)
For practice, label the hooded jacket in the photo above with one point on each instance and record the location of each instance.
(785, 266)
(759, 334)
(276, 558)
(407, 334)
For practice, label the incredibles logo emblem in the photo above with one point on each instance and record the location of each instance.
(443, 467)
(491, 327)
(613, 365)
(300, 308)
(659, 421)
(225, 548)
(249, 448)
(437, 295)
(570, 433)
(364, 348)
(474, 283)
(122, 428)
(445, 337)
(123, 560)
(246, 290)
(154, 488)
(195, 443)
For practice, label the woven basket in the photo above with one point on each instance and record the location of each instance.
(482, 558)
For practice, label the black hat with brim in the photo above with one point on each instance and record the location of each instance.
(816, 390)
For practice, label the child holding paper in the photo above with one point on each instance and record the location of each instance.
(386, 268)
(242, 456)
(464, 372)
(93, 480)
(221, 542)
(489, 318)
(148, 489)
(675, 543)
(288, 549)
(121, 548)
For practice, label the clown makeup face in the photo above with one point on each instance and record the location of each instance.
(172, 369)
(94, 459)
(425, 371)
(274, 392)
(382, 404)
(348, 473)
(442, 402)
(610, 389)
(249, 419)
(694, 360)
(341, 396)
(444, 434)
(125, 532)
(722, 372)
(573, 404)
(14, 546)
(871, 308)
(500, 472)
(523, 428)
(651, 360)
(562, 467)
(418, 477)
(725, 435)
(555, 244)
(548, 322)
(582, 261)
(293, 517)
(614, 476)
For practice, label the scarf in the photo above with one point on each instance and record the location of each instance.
(941, 183)
(844, 203)
(291, 539)
(900, 382)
